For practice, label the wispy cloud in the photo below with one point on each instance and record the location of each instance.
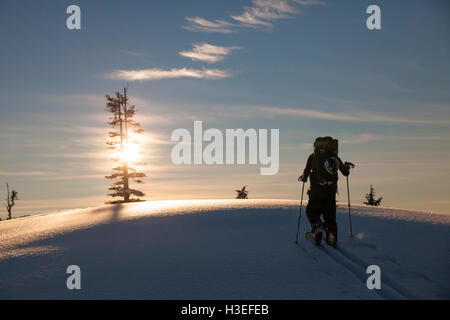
(198, 24)
(206, 52)
(22, 173)
(209, 113)
(261, 14)
(306, 3)
(306, 113)
(192, 112)
(359, 116)
(131, 53)
(158, 74)
(362, 138)
(368, 137)
(251, 20)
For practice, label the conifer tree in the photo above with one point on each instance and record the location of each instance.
(122, 139)
(370, 197)
(10, 200)
(242, 194)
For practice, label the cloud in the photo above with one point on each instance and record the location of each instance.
(353, 117)
(264, 11)
(194, 111)
(306, 113)
(207, 52)
(261, 14)
(306, 3)
(131, 53)
(209, 112)
(250, 20)
(23, 173)
(158, 74)
(198, 24)
(362, 138)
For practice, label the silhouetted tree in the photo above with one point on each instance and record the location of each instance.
(10, 200)
(121, 120)
(242, 194)
(370, 197)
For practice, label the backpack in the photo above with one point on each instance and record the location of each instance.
(327, 145)
(326, 161)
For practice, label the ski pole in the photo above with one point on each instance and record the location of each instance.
(300, 213)
(349, 210)
(349, 166)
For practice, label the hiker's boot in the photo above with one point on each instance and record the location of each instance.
(331, 239)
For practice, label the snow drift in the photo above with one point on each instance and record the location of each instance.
(222, 249)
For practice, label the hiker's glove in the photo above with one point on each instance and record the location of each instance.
(301, 178)
(349, 165)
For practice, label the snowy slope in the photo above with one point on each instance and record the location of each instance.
(222, 249)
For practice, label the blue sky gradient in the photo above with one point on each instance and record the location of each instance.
(385, 94)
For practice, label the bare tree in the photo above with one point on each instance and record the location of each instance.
(10, 200)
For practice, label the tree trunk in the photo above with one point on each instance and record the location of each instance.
(126, 187)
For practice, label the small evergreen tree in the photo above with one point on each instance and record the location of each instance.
(10, 200)
(370, 197)
(242, 194)
(121, 120)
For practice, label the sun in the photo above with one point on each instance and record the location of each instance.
(130, 153)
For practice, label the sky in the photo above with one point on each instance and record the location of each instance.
(307, 68)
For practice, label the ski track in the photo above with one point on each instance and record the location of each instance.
(389, 288)
(385, 278)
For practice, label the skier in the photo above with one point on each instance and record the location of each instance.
(322, 169)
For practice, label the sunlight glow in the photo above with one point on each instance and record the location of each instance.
(131, 153)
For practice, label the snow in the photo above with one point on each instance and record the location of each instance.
(222, 249)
